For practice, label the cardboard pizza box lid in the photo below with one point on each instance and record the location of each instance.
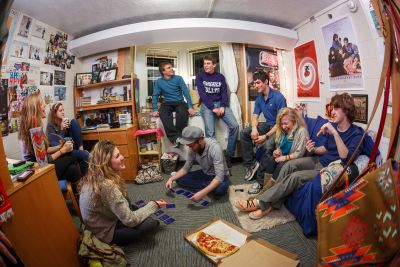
(259, 252)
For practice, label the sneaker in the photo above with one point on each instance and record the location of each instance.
(255, 188)
(250, 171)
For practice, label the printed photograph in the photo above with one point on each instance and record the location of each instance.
(361, 103)
(46, 78)
(59, 77)
(60, 93)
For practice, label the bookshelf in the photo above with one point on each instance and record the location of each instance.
(103, 102)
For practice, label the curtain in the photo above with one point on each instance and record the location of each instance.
(229, 70)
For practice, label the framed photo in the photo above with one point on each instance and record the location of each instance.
(83, 78)
(108, 75)
(361, 103)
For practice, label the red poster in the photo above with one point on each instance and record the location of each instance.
(306, 70)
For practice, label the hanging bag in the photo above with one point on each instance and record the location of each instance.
(360, 224)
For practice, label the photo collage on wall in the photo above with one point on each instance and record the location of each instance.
(34, 58)
(265, 60)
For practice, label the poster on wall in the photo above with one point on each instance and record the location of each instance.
(46, 78)
(3, 107)
(39, 30)
(36, 52)
(60, 93)
(59, 77)
(12, 25)
(25, 26)
(261, 59)
(20, 49)
(344, 62)
(307, 70)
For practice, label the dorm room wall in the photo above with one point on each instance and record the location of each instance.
(371, 49)
(11, 144)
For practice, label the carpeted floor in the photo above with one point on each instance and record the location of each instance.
(167, 246)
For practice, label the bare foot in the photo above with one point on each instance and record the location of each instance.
(258, 214)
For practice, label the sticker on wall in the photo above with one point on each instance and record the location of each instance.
(344, 61)
(307, 70)
(56, 51)
(3, 107)
(12, 26)
(25, 26)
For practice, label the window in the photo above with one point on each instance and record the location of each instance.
(154, 57)
(196, 57)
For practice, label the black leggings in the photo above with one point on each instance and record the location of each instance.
(124, 235)
(67, 168)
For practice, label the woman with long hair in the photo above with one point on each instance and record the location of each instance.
(32, 113)
(104, 203)
(289, 143)
(59, 127)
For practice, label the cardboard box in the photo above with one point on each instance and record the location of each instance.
(251, 253)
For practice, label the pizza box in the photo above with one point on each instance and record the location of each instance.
(251, 252)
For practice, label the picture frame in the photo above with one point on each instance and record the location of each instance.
(83, 78)
(361, 104)
(108, 75)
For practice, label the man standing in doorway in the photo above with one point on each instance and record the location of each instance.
(173, 88)
(213, 93)
(269, 102)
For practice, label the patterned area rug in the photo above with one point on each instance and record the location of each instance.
(274, 218)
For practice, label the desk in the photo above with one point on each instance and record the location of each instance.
(42, 231)
(126, 143)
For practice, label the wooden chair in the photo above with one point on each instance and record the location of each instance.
(68, 193)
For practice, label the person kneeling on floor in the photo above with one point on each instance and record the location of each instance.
(213, 176)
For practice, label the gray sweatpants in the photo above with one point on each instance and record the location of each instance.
(291, 177)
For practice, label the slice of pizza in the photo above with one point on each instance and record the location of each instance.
(214, 246)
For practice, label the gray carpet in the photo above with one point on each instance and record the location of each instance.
(167, 246)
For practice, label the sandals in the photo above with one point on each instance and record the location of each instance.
(247, 205)
(258, 214)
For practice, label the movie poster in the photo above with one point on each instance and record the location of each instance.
(261, 59)
(344, 61)
(306, 70)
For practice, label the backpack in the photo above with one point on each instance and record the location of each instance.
(92, 249)
(149, 173)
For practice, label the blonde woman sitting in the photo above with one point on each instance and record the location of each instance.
(104, 203)
(289, 143)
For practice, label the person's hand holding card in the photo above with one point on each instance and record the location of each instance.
(161, 203)
(197, 197)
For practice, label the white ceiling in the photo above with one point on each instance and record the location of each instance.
(82, 17)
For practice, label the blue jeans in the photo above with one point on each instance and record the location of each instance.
(198, 180)
(83, 159)
(230, 120)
